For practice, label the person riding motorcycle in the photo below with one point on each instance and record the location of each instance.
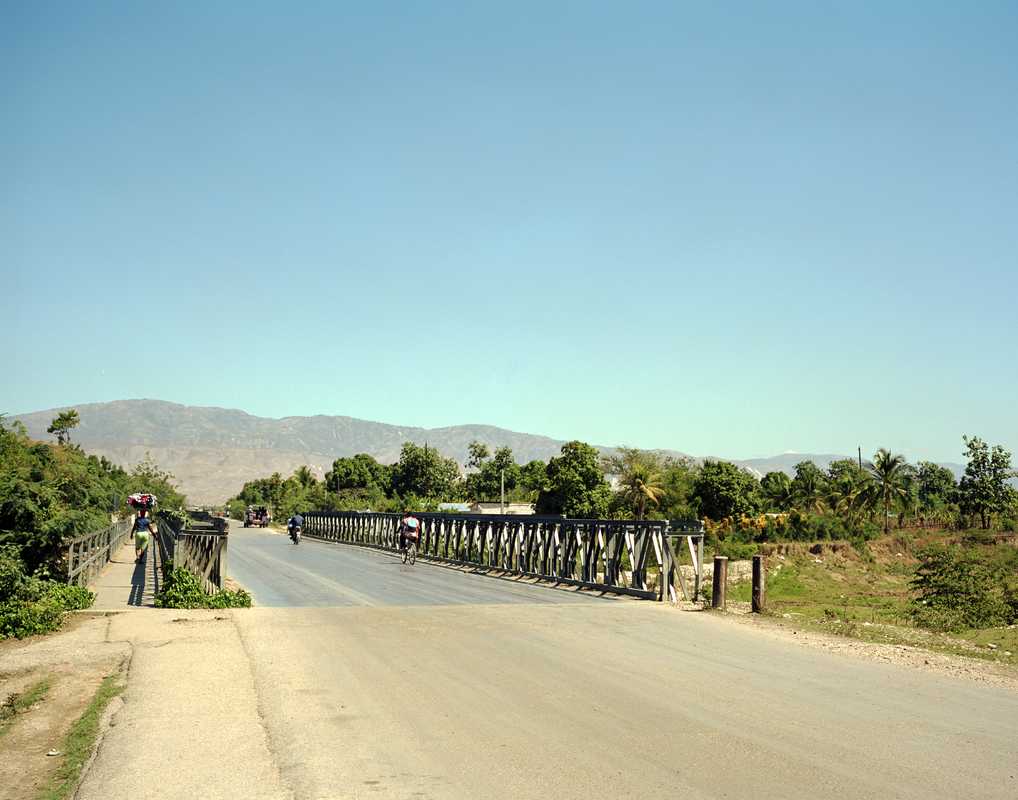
(409, 528)
(294, 524)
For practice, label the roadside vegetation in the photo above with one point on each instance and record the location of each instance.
(182, 590)
(49, 494)
(943, 590)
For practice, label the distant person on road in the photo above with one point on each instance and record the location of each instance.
(296, 521)
(142, 529)
(409, 528)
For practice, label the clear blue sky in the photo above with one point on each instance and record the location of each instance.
(725, 228)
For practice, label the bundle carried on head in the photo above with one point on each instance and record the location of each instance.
(142, 501)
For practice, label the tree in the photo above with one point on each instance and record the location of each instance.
(677, 478)
(776, 487)
(424, 472)
(478, 454)
(62, 425)
(809, 487)
(725, 490)
(533, 475)
(360, 472)
(486, 483)
(936, 484)
(888, 472)
(845, 488)
(640, 477)
(574, 484)
(984, 488)
(305, 477)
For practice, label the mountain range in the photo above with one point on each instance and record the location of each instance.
(213, 451)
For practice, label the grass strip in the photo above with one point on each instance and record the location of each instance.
(79, 741)
(18, 703)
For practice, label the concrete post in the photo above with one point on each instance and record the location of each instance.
(720, 582)
(759, 580)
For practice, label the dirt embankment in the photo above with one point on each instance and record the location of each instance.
(66, 669)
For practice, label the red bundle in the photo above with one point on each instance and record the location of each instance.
(142, 501)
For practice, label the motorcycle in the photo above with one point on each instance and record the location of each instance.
(295, 535)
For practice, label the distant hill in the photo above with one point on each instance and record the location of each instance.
(213, 451)
(786, 463)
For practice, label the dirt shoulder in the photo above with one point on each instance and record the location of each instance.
(73, 664)
(898, 651)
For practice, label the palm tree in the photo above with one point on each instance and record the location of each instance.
(808, 493)
(888, 474)
(640, 478)
(305, 477)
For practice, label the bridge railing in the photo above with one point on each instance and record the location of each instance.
(88, 554)
(200, 548)
(634, 557)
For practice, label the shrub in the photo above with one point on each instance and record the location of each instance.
(954, 591)
(30, 605)
(736, 551)
(182, 590)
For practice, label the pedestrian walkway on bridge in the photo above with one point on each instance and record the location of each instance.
(124, 584)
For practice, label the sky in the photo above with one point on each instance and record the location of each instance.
(731, 228)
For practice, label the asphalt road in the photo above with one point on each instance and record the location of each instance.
(314, 573)
(428, 682)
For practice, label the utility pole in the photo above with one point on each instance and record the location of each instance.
(860, 457)
(501, 500)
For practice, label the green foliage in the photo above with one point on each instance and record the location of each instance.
(574, 484)
(478, 454)
(361, 472)
(424, 472)
(936, 486)
(30, 605)
(486, 484)
(724, 490)
(776, 490)
(182, 590)
(678, 501)
(533, 475)
(809, 487)
(62, 425)
(984, 488)
(954, 590)
(888, 473)
(640, 475)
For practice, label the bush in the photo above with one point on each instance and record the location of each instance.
(30, 605)
(736, 551)
(955, 591)
(182, 590)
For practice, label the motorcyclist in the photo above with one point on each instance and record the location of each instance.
(295, 523)
(409, 528)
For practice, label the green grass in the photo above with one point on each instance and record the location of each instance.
(77, 745)
(19, 703)
(867, 598)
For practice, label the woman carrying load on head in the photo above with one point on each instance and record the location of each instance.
(142, 523)
(142, 531)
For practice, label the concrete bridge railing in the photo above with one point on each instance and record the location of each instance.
(633, 557)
